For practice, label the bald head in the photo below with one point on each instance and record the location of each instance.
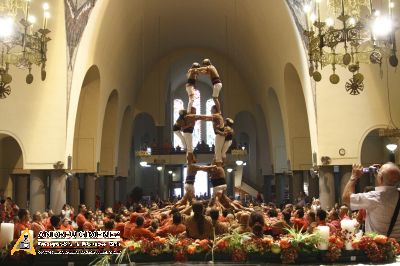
(389, 174)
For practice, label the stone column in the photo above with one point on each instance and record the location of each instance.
(267, 188)
(280, 188)
(326, 187)
(230, 184)
(74, 192)
(90, 186)
(109, 191)
(297, 184)
(163, 185)
(313, 187)
(58, 190)
(37, 201)
(21, 190)
(345, 172)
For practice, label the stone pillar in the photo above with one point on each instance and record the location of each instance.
(345, 172)
(21, 190)
(37, 200)
(109, 191)
(74, 192)
(58, 190)
(297, 184)
(163, 185)
(267, 188)
(90, 186)
(313, 187)
(326, 187)
(280, 188)
(230, 184)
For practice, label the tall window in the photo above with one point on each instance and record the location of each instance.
(210, 136)
(201, 182)
(178, 105)
(197, 127)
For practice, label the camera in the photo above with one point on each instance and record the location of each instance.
(371, 169)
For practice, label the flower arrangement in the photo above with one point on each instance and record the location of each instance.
(233, 243)
(377, 247)
(334, 248)
(296, 242)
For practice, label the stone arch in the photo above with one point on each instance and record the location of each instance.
(275, 124)
(246, 131)
(125, 143)
(299, 145)
(124, 155)
(373, 148)
(86, 123)
(11, 162)
(144, 130)
(108, 136)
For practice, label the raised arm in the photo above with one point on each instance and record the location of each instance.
(202, 117)
(205, 168)
(349, 189)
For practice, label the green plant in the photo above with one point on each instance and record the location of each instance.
(103, 260)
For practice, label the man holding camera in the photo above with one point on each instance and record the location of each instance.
(382, 205)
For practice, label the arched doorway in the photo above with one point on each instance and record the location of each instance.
(85, 135)
(144, 132)
(298, 135)
(280, 164)
(105, 188)
(125, 139)
(14, 181)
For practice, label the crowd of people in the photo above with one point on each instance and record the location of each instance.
(198, 220)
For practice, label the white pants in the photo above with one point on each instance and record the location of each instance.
(190, 91)
(219, 142)
(217, 189)
(179, 134)
(189, 141)
(216, 89)
(189, 189)
(225, 148)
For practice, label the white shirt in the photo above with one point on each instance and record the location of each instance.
(379, 206)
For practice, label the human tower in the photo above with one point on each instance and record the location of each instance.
(183, 129)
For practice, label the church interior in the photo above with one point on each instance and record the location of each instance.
(94, 126)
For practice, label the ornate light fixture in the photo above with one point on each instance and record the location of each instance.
(21, 45)
(356, 38)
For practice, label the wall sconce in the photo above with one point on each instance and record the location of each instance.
(229, 170)
(239, 162)
(143, 164)
(391, 147)
(159, 168)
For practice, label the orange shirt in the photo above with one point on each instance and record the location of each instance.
(80, 220)
(127, 229)
(139, 232)
(120, 227)
(66, 227)
(173, 229)
(299, 224)
(20, 227)
(89, 226)
(36, 228)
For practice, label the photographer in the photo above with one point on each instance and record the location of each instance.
(382, 205)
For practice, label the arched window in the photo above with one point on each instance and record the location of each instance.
(197, 128)
(210, 136)
(178, 105)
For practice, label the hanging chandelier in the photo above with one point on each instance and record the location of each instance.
(21, 45)
(360, 35)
